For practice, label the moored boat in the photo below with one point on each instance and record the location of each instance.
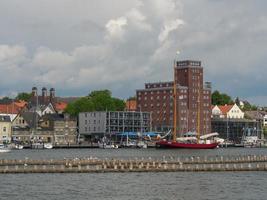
(48, 146)
(4, 148)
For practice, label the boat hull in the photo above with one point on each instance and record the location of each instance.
(180, 145)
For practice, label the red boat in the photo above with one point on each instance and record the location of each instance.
(172, 144)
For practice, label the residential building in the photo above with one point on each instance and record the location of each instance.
(55, 128)
(111, 122)
(131, 105)
(12, 108)
(193, 100)
(64, 127)
(227, 111)
(5, 129)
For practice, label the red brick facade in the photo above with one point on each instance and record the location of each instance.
(192, 96)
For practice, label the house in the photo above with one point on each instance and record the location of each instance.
(60, 107)
(64, 127)
(131, 105)
(258, 115)
(12, 108)
(227, 111)
(5, 129)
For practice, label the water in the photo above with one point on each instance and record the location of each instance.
(179, 185)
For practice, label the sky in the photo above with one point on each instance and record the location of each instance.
(77, 46)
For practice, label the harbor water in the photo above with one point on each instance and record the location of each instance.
(167, 185)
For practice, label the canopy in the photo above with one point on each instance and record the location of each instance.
(136, 134)
(186, 138)
(209, 135)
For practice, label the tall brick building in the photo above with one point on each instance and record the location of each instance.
(192, 95)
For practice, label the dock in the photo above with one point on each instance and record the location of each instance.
(95, 165)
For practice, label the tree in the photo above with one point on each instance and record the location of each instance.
(237, 101)
(6, 100)
(100, 100)
(220, 98)
(119, 104)
(23, 96)
(81, 105)
(248, 106)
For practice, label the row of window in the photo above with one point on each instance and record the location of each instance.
(158, 85)
(92, 114)
(89, 122)
(93, 129)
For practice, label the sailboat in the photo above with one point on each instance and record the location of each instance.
(186, 142)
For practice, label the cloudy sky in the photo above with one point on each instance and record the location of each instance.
(78, 46)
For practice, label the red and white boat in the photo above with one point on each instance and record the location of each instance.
(184, 145)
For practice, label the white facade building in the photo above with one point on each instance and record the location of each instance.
(227, 111)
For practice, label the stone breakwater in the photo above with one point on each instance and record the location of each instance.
(166, 164)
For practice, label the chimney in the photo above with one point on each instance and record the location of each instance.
(52, 94)
(34, 91)
(44, 92)
(44, 95)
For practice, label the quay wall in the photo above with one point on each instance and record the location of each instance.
(95, 165)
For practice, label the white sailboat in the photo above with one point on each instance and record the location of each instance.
(4, 148)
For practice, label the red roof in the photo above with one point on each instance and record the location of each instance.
(11, 108)
(225, 109)
(20, 103)
(60, 106)
(131, 105)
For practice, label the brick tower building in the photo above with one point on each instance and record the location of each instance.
(192, 96)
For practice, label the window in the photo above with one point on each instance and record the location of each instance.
(85, 122)
(85, 114)
(4, 129)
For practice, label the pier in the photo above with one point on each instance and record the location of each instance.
(95, 165)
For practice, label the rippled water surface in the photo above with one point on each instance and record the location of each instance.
(180, 185)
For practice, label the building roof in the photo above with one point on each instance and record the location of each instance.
(57, 117)
(131, 105)
(225, 109)
(11, 108)
(255, 114)
(5, 118)
(60, 106)
(20, 103)
(30, 118)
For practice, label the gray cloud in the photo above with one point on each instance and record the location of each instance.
(77, 46)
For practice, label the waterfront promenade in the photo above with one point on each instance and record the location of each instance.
(95, 165)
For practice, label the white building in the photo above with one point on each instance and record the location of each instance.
(227, 111)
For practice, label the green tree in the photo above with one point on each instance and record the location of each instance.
(237, 101)
(119, 104)
(23, 96)
(6, 100)
(100, 100)
(218, 98)
(248, 106)
(81, 105)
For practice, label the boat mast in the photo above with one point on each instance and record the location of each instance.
(198, 117)
(174, 105)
